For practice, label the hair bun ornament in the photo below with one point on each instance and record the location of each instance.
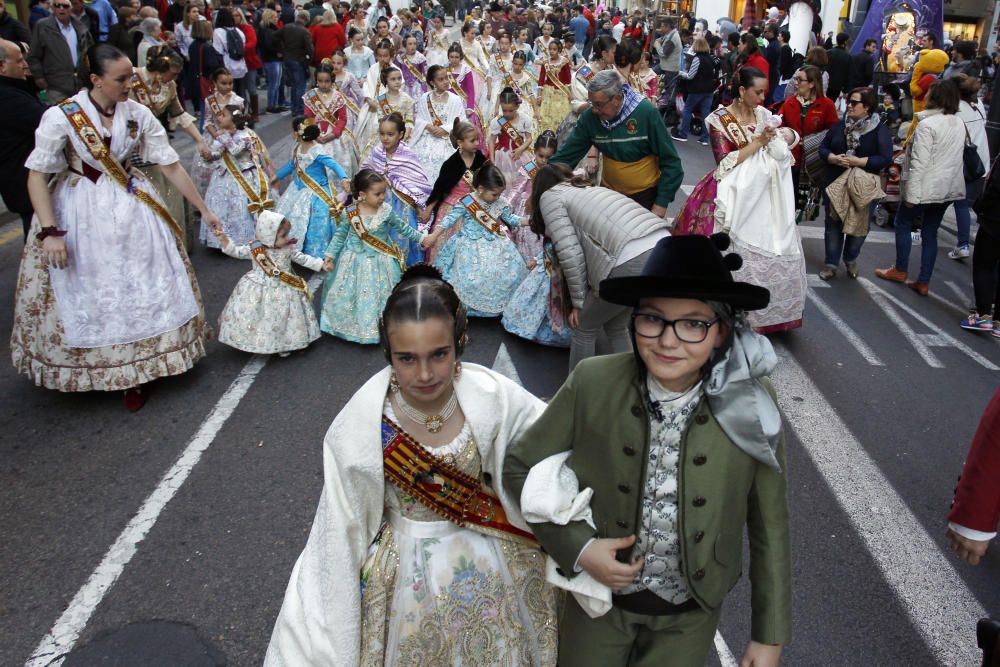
(721, 241)
(733, 261)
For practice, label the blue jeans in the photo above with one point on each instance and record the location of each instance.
(933, 213)
(297, 81)
(701, 101)
(273, 70)
(963, 218)
(839, 244)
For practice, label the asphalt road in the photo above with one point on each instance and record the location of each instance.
(881, 389)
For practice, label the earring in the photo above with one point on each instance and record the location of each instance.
(458, 369)
(393, 382)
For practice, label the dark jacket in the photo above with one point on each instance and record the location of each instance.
(862, 69)
(704, 79)
(295, 43)
(266, 46)
(20, 113)
(876, 145)
(49, 57)
(839, 69)
(213, 60)
(451, 173)
(786, 64)
(987, 207)
(122, 36)
(90, 20)
(773, 54)
(13, 30)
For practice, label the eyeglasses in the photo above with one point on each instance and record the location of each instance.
(648, 325)
(801, 79)
(853, 102)
(60, 5)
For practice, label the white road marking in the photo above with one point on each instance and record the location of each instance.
(963, 295)
(504, 365)
(845, 330)
(64, 634)
(922, 343)
(726, 657)
(813, 280)
(939, 605)
(810, 232)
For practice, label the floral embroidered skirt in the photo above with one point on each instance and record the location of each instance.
(553, 109)
(698, 214)
(435, 594)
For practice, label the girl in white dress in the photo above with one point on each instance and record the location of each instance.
(384, 578)
(106, 296)
(433, 117)
(240, 185)
(436, 46)
(270, 310)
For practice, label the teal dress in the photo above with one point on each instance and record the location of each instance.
(355, 292)
(535, 309)
(484, 268)
(308, 214)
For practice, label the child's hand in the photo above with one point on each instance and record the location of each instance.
(532, 263)
(425, 214)
(525, 221)
(429, 240)
(327, 265)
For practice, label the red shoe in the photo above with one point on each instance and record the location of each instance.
(918, 287)
(892, 273)
(134, 399)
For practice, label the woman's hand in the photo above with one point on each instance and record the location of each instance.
(767, 135)
(573, 319)
(598, 560)
(834, 159)
(532, 263)
(212, 220)
(54, 251)
(761, 655)
(203, 150)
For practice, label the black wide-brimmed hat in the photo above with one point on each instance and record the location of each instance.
(688, 267)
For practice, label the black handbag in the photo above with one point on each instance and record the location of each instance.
(972, 165)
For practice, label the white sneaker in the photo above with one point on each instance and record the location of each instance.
(960, 252)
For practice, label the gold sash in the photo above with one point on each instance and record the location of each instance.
(258, 251)
(482, 216)
(732, 128)
(141, 91)
(370, 240)
(383, 104)
(508, 128)
(443, 488)
(410, 66)
(347, 100)
(436, 119)
(554, 80)
(324, 112)
(472, 65)
(328, 198)
(257, 201)
(91, 138)
(213, 103)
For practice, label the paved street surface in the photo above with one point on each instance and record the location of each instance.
(166, 537)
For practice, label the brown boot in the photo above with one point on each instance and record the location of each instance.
(892, 273)
(254, 108)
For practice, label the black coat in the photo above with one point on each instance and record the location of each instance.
(13, 30)
(839, 69)
(862, 69)
(987, 207)
(451, 173)
(20, 113)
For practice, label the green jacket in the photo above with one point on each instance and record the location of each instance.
(641, 135)
(600, 414)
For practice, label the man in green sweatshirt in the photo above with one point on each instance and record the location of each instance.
(639, 157)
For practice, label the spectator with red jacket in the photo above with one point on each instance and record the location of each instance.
(328, 36)
(807, 112)
(252, 59)
(975, 511)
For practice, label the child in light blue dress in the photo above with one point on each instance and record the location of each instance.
(480, 260)
(536, 310)
(307, 210)
(363, 262)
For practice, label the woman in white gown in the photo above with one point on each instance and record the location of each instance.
(385, 578)
(106, 297)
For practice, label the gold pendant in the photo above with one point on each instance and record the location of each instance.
(433, 423)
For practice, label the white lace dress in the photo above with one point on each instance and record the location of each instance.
(436, 594)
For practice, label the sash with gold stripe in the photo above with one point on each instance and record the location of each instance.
(213, 104)
(554, 80)
(326, 113)
(91, 138)
(436, 119)
(508, 128)
(258, 251)
(733, 128)
(472, 65)
(410, 66)
(141, 91)
(530, 169)
(369, 239)
(256, 201)
(383, 104)
(443, 488)
(329, 198)
(347, 100)
(482, 216)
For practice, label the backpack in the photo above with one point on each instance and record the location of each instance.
(234, 45)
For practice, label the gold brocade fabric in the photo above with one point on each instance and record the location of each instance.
(435, 594)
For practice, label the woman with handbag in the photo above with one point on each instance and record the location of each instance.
(808, 112)
(202, 61)
(933, 178)
(861, 140)
(972, 113)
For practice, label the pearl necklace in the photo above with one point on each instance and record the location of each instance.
(433, 423)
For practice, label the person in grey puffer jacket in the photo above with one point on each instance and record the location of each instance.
(597, 233)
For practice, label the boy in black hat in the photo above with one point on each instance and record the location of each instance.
(680, 444)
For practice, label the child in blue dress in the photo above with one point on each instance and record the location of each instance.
(480, 260)
(363, 262)
(537, 308)
(311, 203)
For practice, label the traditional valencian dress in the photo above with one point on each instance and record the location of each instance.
(581, 101)
(403, 105)
(476, 59)
(367, 266)
(553, 85)
(454, 181)
(511, 135)
(331, 114)
(466, 85)
(754, 203)
(436, 47)
(407, 192)
(161, 98)
(479, 260)
(311, 203)
(433, 151)
(240, 186)
(270, 310)
(414, 70)
(201, 171)
(127, 309)
(528, 243)
(536, 308)
(384, 580)
(349, 87)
